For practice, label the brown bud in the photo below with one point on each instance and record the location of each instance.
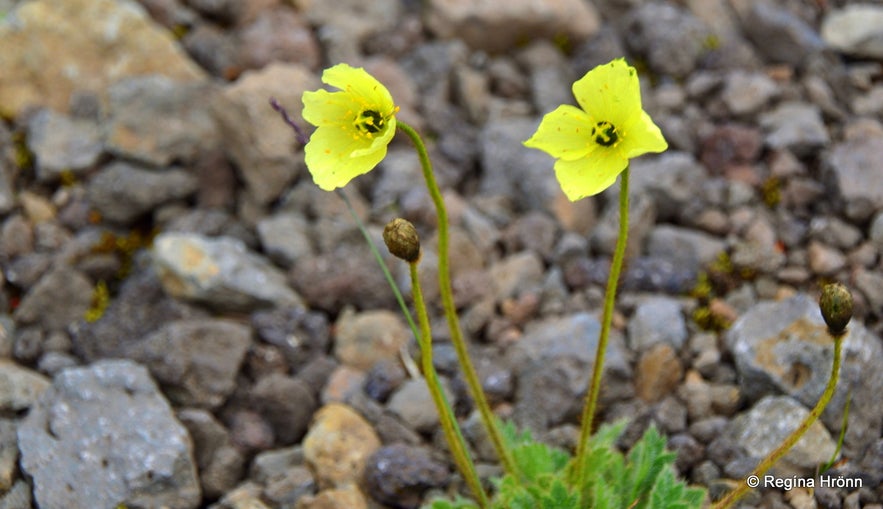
(836, 306)
(402, 240)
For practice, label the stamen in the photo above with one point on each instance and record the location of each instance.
(605, 134)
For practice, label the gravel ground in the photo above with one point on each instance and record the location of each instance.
(187, 321)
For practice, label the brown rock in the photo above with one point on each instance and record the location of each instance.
(344, 498)
(337, 446)
(59, 46)
(259, 142)
(363, 339)
(497, 26)
(658, 372)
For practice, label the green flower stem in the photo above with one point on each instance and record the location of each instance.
(446, 416)
(444, 283)
(795, 435)
(609, 299)
(383, 267)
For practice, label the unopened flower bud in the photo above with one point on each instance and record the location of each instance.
(402, 240)
(836, 306)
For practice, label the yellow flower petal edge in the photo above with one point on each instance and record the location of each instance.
(354, 126)
(593, 143)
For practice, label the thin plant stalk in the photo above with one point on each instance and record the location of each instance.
(444, 283)
(377, 256)
(446, 416)
(795, 435)
(591, 401)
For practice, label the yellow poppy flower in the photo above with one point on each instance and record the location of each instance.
(593, 144)
(354, 126)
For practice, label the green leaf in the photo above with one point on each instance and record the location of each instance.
(647, 459)
(458, 503)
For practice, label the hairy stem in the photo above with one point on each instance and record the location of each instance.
(444, 283)
(795, 435)
(594, 389)
(446, 415)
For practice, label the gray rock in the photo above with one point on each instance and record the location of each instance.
(871, 285)
(278, 34)
(747, 93)
(553, 363)
(795, 126)
(824, 260)
(139, 308)
(850, 165)
(270, 464)
(8, 453)
(342, 277)
(7, 194)
(855, 29)
(870, 103)
(550, 76)
(103, 435)
(657, 320)
(642, 217)
(497, 27)
(777, 33)
(287, 403)
(256, 139)
(672, 180)
(399, 474)
(368, 337)
(683, 246)
(757, 257)
(510, 169)
(784, 347)
(220, 272)
(412, 403)
(285, 238)
(534, 231)
(875, 231)
(401, 175)
(61, 143)
(60, 298)
(212, 47)
(18, 497)
(196, 361)
(472, 90)
(220, 464)
(672, 39)
(123, 191)
(301, 335)
(293, 484)
(348, 23)
(834, 231)
(515, 274)
(759, 430)
(19, 387)
(156, 120)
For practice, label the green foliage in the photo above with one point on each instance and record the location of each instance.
(642, 479)
(771, 191)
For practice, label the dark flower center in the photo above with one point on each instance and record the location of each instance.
(370, 121)
(604, 134)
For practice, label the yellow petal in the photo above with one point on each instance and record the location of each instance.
(610, 92)
(564, 133)
(324, 108)
(590, 175)
(329, 157)
(642, 136)
(355, 80)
